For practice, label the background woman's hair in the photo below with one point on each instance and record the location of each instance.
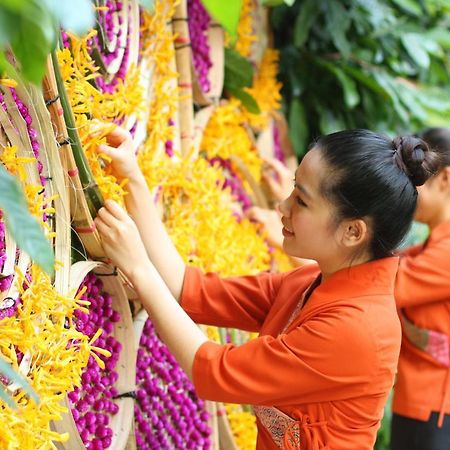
(374, 177)
(438, 139)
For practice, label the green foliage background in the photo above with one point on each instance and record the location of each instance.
(382, 65)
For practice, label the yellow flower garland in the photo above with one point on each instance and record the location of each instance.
(265, 90)
(245, 31)
(198, 215)
(227, 134)
(42, 330)
(90, 105)
(159, 50)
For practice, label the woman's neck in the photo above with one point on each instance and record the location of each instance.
(328, 269)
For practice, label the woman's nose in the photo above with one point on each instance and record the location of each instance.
(285, 207)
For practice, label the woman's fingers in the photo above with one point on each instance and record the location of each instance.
(105, 216)
(118, 136)
(115, 210)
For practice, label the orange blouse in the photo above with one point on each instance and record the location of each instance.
(333, 367)
(422, 290)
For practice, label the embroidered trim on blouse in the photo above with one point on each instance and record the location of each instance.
(434, 343)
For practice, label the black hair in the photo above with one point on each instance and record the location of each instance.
(374, 177)
(438, 139)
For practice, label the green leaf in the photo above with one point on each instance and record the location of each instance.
(411, 6)
(13, 5)
(414, 46)
(298, 127)
(366, 79)
(338, 22)
(247, 100)
(226, 13)
(7, 371)
(238, 71)
(24, 228)
(8, 26)
(351, 95)
(309, 11)
(35, 38)
(77, 16)
(329, 121)
(277, 2)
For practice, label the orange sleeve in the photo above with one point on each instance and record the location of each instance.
(236, 302)
(424, 277)
(325, 359)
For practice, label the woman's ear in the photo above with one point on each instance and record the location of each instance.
(354, 232)
(443, 178)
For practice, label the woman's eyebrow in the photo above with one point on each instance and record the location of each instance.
(302, 189)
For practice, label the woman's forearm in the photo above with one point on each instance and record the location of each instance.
(159, 247)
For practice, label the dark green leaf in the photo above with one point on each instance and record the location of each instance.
(271, 3)
(298, 127)
(305, 20)
(226, 13)
(247, 100)
(338, 23)
(351, 95)
(365, 78)
(24, 228)
(238, 70)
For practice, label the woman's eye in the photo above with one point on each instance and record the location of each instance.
(300, 202)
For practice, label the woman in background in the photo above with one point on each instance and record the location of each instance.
(421, 405)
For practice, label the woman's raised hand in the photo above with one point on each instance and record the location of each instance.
(120, 150)
(121, 239)
(278, 177)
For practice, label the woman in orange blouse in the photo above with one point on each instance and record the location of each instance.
(321, 369)
(421, 404)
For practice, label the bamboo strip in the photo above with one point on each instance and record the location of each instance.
(82, 220)
(183, 62)
(56, 184)
(216, 74)
(259, 198)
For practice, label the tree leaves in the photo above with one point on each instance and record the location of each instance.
(30, 28)
(226, 13)
(238, 76)
(305, 20)
(24, 228)
(363, 63)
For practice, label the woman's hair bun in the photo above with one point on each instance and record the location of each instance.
(413, 156)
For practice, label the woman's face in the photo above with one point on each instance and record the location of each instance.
(432, 199)
(307, 216)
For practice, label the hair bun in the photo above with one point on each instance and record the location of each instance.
(413, 156)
